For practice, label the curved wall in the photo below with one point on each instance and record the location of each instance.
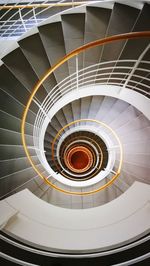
(49, 227)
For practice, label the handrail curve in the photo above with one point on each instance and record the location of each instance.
(129, 36)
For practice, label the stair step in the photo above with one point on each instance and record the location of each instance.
(34, 51)
(95, 28)
(73, 31)
(121, 21)
(22, 70)
(53, 41)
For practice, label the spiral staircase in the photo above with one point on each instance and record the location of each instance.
(75, 139)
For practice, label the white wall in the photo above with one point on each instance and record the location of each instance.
(55, 228)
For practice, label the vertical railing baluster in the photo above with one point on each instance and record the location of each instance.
(34, 14)
(77, 69)
(136, 66)
(22, 20)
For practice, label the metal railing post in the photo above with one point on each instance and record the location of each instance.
(135, 66)
(77, 69)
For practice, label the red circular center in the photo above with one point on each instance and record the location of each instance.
(79, 160)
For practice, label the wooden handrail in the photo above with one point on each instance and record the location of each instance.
(125, 36)
(30, 6)
(101, 153)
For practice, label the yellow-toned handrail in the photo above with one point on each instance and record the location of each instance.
(101, 153)
(91, 191)
(133, 35)
(30, 6)
(88, 120)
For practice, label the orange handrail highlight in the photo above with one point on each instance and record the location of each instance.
(30, 6)
(132, 35)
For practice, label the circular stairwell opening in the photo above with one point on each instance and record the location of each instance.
(80, 156)
(80, 159)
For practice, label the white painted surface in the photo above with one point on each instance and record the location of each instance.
(109, 143)
(132, 97)
(111, 160)
(30, 32)
(6, 213)
(117, 222)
